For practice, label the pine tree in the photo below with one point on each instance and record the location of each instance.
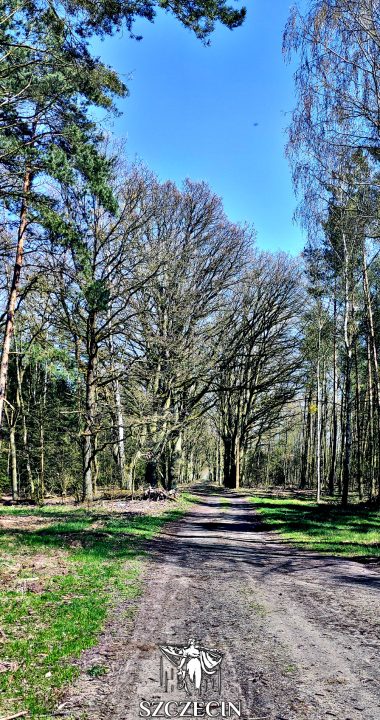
(50, 83)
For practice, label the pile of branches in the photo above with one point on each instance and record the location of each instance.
(157, 493)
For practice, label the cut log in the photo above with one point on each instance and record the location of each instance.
(153, 493)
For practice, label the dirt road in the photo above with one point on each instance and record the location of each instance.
(299, 632)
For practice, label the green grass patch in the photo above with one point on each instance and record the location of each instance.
(259, 609)
(224, 500)
(224, 503)
(93, 560)
(354, 532)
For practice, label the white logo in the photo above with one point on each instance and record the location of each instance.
(198, 668)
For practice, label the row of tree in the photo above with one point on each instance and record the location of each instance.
(137, 326)
(333, 441)
(145, 339)
(93, 364)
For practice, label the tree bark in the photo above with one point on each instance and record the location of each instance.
(348, 318)
(370, 443)
(318, 429)
(348, 436)
(14, 290)
(41, 481)
(20, 404)
(237, 462)
(124, 476)
(305, 452)
(358, 428)
(334, 438)
(90, 406)
(371, 330)
(229, 462)
(12, 443)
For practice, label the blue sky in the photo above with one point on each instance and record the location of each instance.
(215, 113)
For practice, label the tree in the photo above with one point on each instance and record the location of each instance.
(193, 257)
(95, 275)
(50, 84)
(258, 371)
(334, 151)
(337, 83)
(338, 433)
(316, 346)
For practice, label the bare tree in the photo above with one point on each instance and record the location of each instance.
(258, 374)
(95, 278)
(180, 318)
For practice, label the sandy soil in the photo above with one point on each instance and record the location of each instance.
(299, 631)
(30, 570)
(102, 506)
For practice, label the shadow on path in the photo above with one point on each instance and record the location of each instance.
(237, 534)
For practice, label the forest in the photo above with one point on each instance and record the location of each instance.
(146, 339)
(189, 425)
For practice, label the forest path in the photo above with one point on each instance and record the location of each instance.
(298, 631)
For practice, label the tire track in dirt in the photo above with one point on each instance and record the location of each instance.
(298, 631)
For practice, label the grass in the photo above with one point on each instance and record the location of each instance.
(354, 532)
(224, 502)
(259, 609)
(94, 559)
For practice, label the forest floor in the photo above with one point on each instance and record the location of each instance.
(64, 568)
(352, 532)
(299, 631)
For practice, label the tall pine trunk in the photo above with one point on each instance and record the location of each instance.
(14, 291)
(376, 372)
(90, 408)
(306, 441)
(334, 429)
(348, 320)
(318, 428)
(358, 427)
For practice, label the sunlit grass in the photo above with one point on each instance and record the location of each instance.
(326, 528)
(224, 503)
(43, 631)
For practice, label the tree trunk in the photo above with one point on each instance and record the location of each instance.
(151, 473)
(90, 406)
(14, 478)
(305, 452)
(348, 319)
(371, 329)
(371, 453)
(267, 467)
(41, 482)
(348, 436)
(229, 462)
(334, 438)
(121, 459)
(25, 435)
(174, 459)
(237, 462)
(358, 428)
(324, 428)
(13, 295)
(318, 429)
